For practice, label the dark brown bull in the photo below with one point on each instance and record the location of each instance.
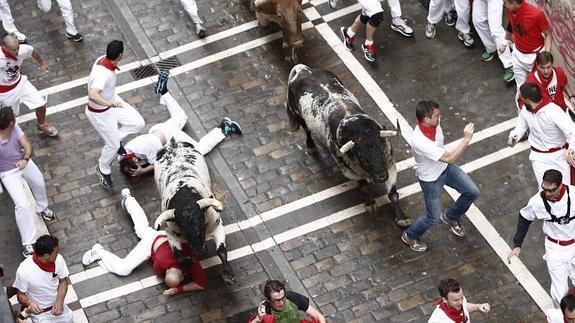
(287, 14)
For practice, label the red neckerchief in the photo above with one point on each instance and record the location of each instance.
(429, 132)
(128, 156)
(7, 54)
(45, 266)
(108, 64)
(563, 190)
(546, 100)
(453, 314)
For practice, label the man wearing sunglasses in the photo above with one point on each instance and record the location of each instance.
(566, 312)
(554, 206)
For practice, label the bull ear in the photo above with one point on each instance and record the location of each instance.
(346, 147)
(167, 215)
(391, 133)
(203, 203)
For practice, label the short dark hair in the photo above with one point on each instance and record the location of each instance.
(517, 1)
(553, 176)
(45, 245)
(6, 117)
(447, 286)
(425, 109)
(127, 164)
(114, 49)
(531, 91)
(543, 58)
(567, 303)
(273, 286)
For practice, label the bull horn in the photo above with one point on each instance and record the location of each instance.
(203, 203)
(345, 148)
(165, 216)
(391, 133)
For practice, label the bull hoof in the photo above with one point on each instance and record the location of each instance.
(229, 279)
(403, 222)
(370, 207)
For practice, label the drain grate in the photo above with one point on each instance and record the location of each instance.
(150, 70)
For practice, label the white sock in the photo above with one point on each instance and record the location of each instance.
(397, 20)
(368, 42)
(350, 32)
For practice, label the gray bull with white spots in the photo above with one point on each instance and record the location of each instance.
(190, 212)
(332, 118)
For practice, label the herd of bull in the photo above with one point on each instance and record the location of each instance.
(334, 123)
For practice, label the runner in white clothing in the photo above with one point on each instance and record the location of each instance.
(106, 110)
(549, 132)
(566, 312)
(452, 306)
(139, 153)
(8, 22)
(68, 15)
(554, 206)
(192, 9)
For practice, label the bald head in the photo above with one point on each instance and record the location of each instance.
(173, 277)
(11, 40)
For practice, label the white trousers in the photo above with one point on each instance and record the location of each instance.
(438, 8)
(560, 263)
(25, 93)
(19, 184)
(192, 9)
(112, 126)
(68, 15)
(66, 317)
(394, 8)
(140, 253)
(541, 162)
(487, 19)
(6, 17)
(522, 66)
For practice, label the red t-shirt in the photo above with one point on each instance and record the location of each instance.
(163, 259)
(527, 26)
(554, 92)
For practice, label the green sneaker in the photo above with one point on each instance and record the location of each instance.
(508, 75)
(487, 56)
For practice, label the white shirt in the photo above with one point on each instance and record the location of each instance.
(103, 79)
(40, 286)
(10, 68)
(554, 315)
(146, 145)
(549, 127)
(439, 316)
(427, 154)
(535, 209)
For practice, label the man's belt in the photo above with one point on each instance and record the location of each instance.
(561, 243)
(552, 150)
(6, 88)
(92, 109)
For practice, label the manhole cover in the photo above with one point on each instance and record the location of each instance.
(151, 70)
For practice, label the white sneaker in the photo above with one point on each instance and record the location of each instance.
(125, 194)
(92, 255)
(200, 31)
(28, 250)
(21, 37)
(47, 214)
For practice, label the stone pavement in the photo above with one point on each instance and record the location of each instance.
(355, 270)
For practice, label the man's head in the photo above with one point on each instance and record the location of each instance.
(427, 112)
(275, 293)
(128, 164)
(544, 63)
(531, 95)
(551, 183)
(512, 5)
(11, 44)
(568, 308)
(174, 277)
(46, 248)
(7, 118)
(115, 50)
(451, 293)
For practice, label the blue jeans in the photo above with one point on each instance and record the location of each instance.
(455, 178)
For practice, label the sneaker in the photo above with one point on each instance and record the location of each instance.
(125, 194)
(466, 39)
(229, 127)
(92, 255)
(487, 56)
(200, 31)
(48, 129)
(332, 3)
(454, 226)
(414, 244)
(161, 86)
(347, 41)
(28, 250)
(105, 180)
(508, 74)
(77, 38)
(450, 18)
(21, 37)
(47, 214)
(368, 52)
(429, 30)
(402, 28)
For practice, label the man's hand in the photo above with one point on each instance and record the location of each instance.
(21, 164)
(468, 131)
(569, 156)
(504, 45)
(171, 291)
(116, 104)
(515, 252)
(484, 308)
(45, 68)
(34, 308)
(58, 309)
(512, 141)
(137, 172)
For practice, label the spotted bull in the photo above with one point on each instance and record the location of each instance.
(287, 14)
(190, 212)
(333, 119)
